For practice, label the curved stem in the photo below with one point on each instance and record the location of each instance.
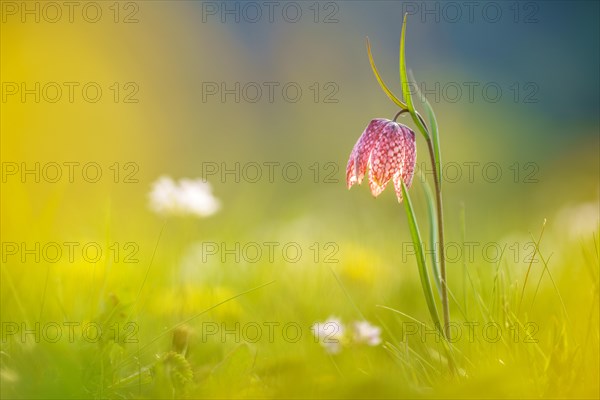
(442, 257)
(399, 113)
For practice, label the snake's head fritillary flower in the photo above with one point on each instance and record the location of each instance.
(388, 150)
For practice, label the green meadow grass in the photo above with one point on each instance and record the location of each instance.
(519, 339)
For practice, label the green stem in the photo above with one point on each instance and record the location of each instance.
(440, 223)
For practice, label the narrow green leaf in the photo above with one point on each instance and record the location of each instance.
(433, 127)
(435, 138)
(403, 77)
(423, 274)
(387, 91)
(433, 233)
(405, 84)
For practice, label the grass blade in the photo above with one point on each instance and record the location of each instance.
(463, 236)
(341, 285)
(387, 91)
(535, 250)
(423, 274)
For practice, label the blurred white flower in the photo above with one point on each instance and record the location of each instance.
(330, 334)
(188, 196)
(364, 332)
(579, 221)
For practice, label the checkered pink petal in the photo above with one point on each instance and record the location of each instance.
(388, 149)
(357, 164)
(409, 157)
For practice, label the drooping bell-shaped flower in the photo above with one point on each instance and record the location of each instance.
(388, 150)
